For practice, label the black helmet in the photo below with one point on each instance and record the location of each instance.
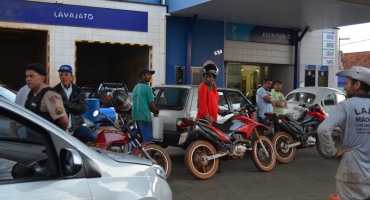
(209, 67)
(120, 100)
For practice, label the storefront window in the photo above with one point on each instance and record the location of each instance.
(247, 78)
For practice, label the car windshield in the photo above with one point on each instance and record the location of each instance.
(107, 87)
(300, 97)
(7, 94)
(171, 98)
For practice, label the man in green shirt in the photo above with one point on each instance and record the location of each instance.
(280, 102)
(143, 105)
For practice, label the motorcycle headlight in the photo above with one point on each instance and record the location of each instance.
(159, 171)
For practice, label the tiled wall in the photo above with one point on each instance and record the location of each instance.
(62, 38)
(258, 52)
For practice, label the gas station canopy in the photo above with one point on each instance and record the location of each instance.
(292, 14)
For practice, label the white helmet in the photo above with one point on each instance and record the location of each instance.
(209, 67)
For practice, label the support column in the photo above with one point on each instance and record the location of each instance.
(189, 23)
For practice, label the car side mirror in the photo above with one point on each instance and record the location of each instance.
(70, 162)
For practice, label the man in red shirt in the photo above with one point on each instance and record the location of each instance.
(208, 94)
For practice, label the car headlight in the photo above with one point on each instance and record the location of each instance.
(159, 171)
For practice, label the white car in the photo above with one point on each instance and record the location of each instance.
(326, 97)
(40, 161)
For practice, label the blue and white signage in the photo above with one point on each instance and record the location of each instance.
(70, 15)
(252, 33)
(328, 48)
(310, 67)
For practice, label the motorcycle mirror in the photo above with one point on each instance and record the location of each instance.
(95, 113)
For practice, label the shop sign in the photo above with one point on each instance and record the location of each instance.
(310, 67)
(263, 34)
(71, 15)
(328, 48)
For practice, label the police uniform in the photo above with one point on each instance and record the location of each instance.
(51, 104)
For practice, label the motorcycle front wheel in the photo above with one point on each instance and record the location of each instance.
(160, 156)
(197, 163)
(283, 155)
(260, 159)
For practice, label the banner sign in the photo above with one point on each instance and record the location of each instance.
(323, 68)
(328, 48)
(263, 34)
(70, 15)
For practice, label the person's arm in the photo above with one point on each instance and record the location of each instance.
(267, 98)
(150, 97)
(325, 129)
(63, 123)
(78, 107)
(53, 104)
(203, 110)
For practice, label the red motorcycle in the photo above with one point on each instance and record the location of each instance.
(118, 140)
(229, 140)
(299, 133)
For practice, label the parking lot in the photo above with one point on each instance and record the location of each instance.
(308, 176)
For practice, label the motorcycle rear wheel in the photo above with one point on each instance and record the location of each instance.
(280, 139)
(260, 159)
(195, 162)
(160, 156)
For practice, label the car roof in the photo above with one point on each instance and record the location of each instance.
(13, 107)
(317, 90)
(190, 86)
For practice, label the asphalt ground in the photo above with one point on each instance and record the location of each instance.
(308, 176)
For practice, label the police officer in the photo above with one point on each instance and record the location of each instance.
(43, 100)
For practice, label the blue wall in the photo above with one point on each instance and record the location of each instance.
(207, 37)
(175, 46)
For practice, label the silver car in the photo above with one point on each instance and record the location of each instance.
(38, 160)
(176, 102)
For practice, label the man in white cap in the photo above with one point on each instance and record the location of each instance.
(353, 117)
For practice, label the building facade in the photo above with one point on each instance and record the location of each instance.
(102, 40)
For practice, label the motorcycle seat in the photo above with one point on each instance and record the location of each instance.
(229, 126)
(291, 119)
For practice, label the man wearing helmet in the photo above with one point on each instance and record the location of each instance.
(143, 105)
(208, 94)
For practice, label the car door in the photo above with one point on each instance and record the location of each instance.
(329, 102)
(171, 103)
(30, 160)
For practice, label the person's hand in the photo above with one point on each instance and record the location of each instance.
(209, 119)
(222, 113)
(338, 157)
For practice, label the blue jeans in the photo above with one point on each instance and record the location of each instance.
(266, 122)
(146, 131)
(85, 134)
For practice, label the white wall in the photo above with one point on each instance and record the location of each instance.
(312, 53)
(62, 38)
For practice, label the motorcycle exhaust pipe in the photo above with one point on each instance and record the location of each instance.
(204, 134)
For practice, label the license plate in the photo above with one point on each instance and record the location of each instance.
(183, 137)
